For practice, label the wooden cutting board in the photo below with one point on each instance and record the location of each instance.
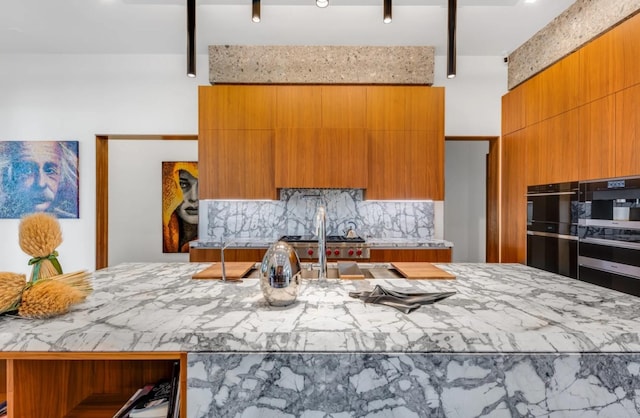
(234, 270)
(420, 270)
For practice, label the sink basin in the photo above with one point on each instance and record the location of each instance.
(310, 271)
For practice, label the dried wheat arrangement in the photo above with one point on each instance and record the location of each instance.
(43, 298)
(39, 236)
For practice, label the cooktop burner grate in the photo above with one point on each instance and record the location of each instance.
(330, 238)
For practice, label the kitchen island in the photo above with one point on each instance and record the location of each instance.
(513, 341)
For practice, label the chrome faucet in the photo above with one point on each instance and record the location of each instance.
(321, 232)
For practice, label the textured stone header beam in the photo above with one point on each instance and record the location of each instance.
(321, 64)
(580, 23)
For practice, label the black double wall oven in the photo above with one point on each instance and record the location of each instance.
(552, 227)
(609, 234)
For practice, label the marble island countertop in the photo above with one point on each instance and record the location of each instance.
(497, 308)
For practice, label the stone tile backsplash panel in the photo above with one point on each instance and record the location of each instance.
(294, 214)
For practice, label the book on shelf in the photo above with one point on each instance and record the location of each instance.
(159, 400)
(174, 398)
(128, 406)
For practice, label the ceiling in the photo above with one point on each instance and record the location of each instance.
(484, 27)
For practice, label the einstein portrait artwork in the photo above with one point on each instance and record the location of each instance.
(38, 176)
(179, 206)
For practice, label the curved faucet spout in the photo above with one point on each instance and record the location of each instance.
(321, 232)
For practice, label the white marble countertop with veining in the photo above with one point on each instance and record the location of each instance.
(497, 308)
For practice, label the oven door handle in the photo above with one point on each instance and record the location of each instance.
(551, 194)
(611, 243)
(609, 267)
(552, 235)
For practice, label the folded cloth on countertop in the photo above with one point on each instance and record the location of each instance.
(405, 302)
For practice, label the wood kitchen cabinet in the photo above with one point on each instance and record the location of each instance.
(627, 128)
(74, 385)
(236, 164)
(513, 202)
(558, 152)
(406, 165)
(321, 158)
(513, 114)
(405, 108)
(434, 255)
(559, 87)
(315, 106)
(242, 107)
(596, 149)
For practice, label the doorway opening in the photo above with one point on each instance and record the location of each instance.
(471, 208)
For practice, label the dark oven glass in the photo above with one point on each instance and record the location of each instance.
(554, 254)
(610, 280)
(552, 204)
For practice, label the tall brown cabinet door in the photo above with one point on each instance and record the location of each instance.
(514, 202)
(223, 107)
(406, 165)
(320, 158)
(596, 150)
(239, 164)
(628, 132)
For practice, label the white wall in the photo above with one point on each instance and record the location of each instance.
(465, 211)
(473, 101)
(75, 97)
(135, 197)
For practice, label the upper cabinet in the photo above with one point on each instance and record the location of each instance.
(405, 108)
(627, 128)
(513, 111)
(239, 164)
(236, 107)
(312, 106)
(321, 158)
(254, 139)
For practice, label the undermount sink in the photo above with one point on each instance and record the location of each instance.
(368, 271)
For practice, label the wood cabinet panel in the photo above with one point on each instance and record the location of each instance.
(627, 132)
(223, 107)
(534, 154)
(230, 254)
(401, 108)
(559, 87)
(344, 107)
(513, 114)
(424, 109)
(514, 202)
(596, 150)
(236, 164)
(299, 106)
(435, 255)
(531, 96)
(321, 158)
(386, 108)
(598, 68)
(406, 165)
(558, 153)
(627, 53)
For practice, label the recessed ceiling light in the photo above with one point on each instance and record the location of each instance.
(322, 3)
(529, 1)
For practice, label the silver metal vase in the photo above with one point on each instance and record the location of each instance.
(280, 274)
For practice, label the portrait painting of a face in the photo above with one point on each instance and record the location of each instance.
(39, 176)
(179, 205)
